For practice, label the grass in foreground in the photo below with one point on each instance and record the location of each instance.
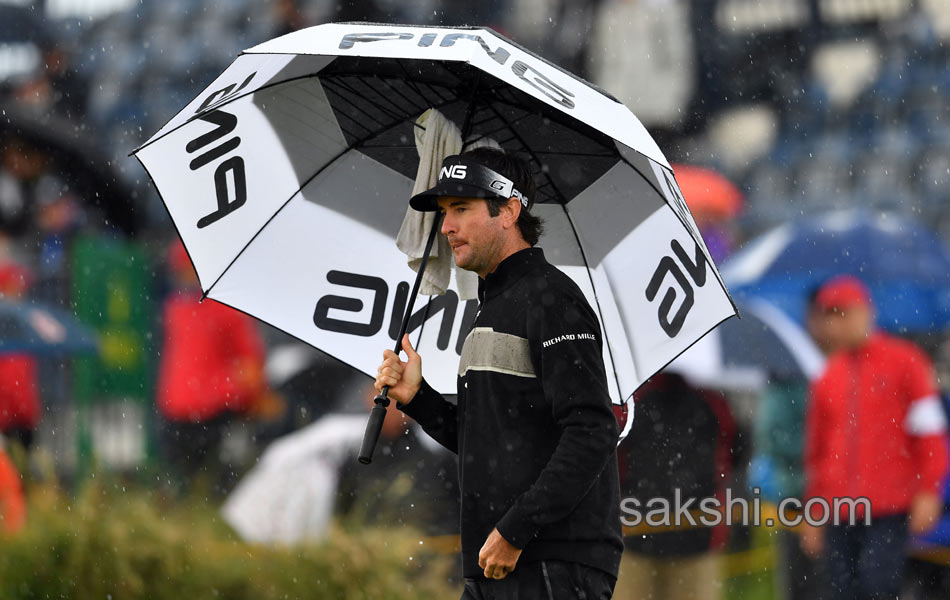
(114, 542)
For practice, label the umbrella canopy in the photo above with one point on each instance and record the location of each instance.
(902, 262)
(27, 327)
(289, 495)
(746, 353)
(68, 151)
(288, 178)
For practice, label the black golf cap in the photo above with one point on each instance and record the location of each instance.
(463, 177)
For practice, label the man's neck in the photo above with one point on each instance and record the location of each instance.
(507, 251)
(860, 343)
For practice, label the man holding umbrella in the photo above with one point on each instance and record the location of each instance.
(533, 426)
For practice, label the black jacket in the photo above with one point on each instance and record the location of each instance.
(533, 428)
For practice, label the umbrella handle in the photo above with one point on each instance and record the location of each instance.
(376, 417)
(374, 426)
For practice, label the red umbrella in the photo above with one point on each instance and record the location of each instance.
(710, 196)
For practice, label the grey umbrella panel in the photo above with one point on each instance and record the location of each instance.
(288, 177)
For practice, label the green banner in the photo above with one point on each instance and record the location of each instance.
(112, 292)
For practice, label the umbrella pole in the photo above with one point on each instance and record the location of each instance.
(376, 417)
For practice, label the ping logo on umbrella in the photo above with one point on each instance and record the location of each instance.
(447, 305)
(228, 92)
(697, 272)
(224, 124)
(521, 69)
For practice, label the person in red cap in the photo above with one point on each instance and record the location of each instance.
(874, 430)
(212, 369)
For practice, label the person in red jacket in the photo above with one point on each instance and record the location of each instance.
(19, 392)
(874, 429)
(212, 369)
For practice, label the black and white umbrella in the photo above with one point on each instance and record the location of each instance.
(289, 176)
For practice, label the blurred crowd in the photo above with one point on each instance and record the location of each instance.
(772, 110)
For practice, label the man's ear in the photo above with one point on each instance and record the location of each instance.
(512, 210)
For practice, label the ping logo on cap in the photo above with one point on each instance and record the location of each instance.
(477, 176)
(502, 186)
(506, 189)
(521, 197)
(453, 172)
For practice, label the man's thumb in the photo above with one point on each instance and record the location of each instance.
(407, 346)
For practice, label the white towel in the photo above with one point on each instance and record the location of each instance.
(437, 138)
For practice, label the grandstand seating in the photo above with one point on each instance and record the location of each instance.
(880, 139)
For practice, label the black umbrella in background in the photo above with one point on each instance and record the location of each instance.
(745, 354)
(66, 149)
(312, 384)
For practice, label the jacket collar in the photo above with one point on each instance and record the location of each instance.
(509, 271)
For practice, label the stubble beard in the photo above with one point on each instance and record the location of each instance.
(477, 259)
(469, 261)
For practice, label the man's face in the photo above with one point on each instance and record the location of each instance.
(849, 327)
(475, 236)
(819, 327)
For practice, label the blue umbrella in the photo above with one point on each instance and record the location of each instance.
(902, 262)
(26, 327)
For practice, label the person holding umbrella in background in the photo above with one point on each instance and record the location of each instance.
(533, 427)
(874, 429)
